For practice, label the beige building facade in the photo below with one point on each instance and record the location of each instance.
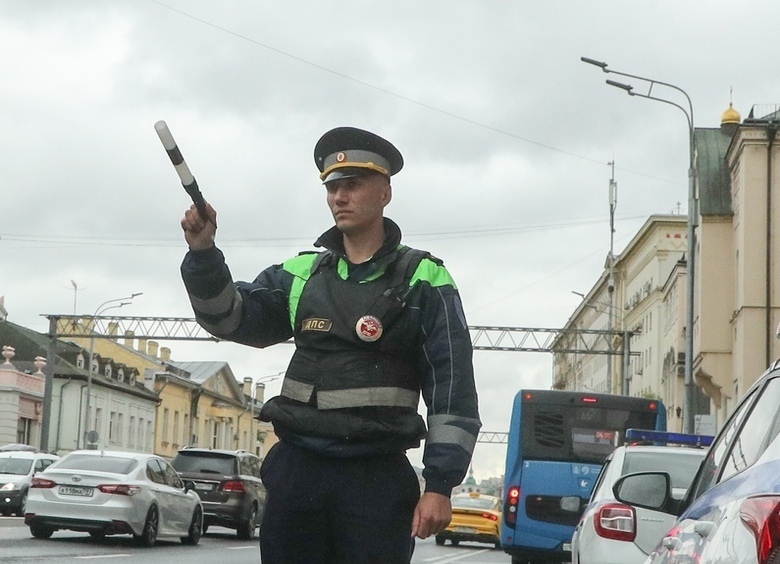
(737, 272)
(200, 403)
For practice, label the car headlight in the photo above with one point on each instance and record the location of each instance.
(9, 487)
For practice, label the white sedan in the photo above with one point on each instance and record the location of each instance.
(611, 532)
(112, 493)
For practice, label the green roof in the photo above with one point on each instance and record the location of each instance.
(714, 179)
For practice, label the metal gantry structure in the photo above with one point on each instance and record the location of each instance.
(483, 337)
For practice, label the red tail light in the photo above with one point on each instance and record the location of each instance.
(615, 521)
(234, 486)
(119, 489)
(510, 506)
(42, 483)
(762, 517)
(491, 516)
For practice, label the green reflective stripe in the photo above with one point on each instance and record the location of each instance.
(300, 268)
(296, 390)
(295, 296)
(362, 397)
(434, 274)
(230, 323)
(440, 431)
(217, 305)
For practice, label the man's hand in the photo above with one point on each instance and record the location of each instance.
(432, 515)
(199, 233)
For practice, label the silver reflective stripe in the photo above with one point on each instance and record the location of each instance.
(218, 304)
(227, 325)
(440, 431)
(360, 397)
(296, 390)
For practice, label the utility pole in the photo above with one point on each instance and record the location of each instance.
(611, 280)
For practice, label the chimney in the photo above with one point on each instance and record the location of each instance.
(142, 345)
(165, 354)
(260, 392)
(152, 348)
(129, 337)
(113, 329)
(247, 387)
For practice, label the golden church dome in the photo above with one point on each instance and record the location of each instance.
(730, 116)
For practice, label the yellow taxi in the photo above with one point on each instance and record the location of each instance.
(475, 517)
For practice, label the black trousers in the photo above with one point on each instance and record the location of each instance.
(326, 510)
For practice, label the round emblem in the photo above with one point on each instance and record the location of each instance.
(341, 157)
(368, 328)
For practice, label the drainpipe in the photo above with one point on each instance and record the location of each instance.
(771, 130)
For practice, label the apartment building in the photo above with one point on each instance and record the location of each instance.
(736, 275)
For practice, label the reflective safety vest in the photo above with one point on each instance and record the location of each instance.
(354, 373)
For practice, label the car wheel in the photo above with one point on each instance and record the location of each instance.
(497, 544)
(22, 505)
(455, 542)
(41, 531)
(98, 535)
(205, 528)
(439, 540)
(196, 528)
(246, 529)
(148, 536)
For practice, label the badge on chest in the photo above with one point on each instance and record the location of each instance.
(369, 328)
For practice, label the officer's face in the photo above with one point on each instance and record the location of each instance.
(358, 203)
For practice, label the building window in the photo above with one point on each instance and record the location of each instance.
(165, 426)
(176, 427)
(112, 427)
(97, 424)
(131, 437)
(24, 429)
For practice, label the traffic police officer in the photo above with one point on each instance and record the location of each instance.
(375, 324)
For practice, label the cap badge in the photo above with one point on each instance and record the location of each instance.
(368, 328)
(341, 157)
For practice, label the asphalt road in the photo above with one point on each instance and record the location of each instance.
(219, 545)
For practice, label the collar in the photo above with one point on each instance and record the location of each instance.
(333, 240)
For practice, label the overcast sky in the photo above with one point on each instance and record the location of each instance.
(506, 135)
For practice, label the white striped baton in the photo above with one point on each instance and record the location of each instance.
(187, 180)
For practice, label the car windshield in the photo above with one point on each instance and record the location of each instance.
(680, 467)
(114, 464)
(205, 462)
(472, 503)
(15, 466)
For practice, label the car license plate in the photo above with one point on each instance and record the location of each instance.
(467, 530)
(205, 487)
(76, 490)
(567, 546)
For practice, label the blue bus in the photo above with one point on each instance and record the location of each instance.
(558, 441)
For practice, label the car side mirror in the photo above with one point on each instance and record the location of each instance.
(648, 490)
(188, 485)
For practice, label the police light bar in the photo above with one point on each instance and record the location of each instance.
(666, 437)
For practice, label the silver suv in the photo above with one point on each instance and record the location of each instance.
(228, 483)
(17, 468)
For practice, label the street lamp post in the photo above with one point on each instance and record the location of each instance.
(688, 415)
(105, 306)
